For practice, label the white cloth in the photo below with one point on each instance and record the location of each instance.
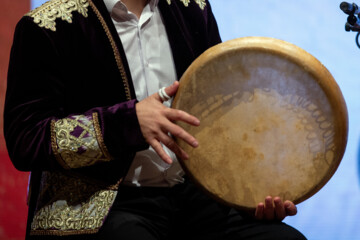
(152, 67)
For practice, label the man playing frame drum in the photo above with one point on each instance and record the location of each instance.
(84, 114)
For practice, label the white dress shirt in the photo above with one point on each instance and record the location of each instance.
(152, 67)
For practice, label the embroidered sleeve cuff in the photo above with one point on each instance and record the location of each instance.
(77, 141)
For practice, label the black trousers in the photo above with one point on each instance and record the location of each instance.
(183, 212)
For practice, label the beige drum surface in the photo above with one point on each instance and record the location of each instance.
(273, 121)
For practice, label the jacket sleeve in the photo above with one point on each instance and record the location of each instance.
(39, 133)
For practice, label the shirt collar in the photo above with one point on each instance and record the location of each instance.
(111, 3)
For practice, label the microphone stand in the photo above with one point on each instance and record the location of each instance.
(353, 21)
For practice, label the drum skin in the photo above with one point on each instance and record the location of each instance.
(273, 122)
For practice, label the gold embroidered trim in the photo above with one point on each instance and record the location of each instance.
(115, 51)
(68, 205)
(75, 142)
(46, 14)
(201, 3)
(54, 146)
(185, 2)
(62, 233)
(99, 136)
(87, 216)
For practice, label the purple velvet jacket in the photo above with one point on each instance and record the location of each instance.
(70, 106)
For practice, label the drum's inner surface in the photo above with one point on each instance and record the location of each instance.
(265, 118)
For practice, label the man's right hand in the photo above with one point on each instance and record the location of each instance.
(157, 121)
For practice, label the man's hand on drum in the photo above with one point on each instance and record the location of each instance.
(157, 121)
(275, 209)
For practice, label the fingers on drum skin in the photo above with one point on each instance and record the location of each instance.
(172, 145)
(182, 134)
(259, 213)
(279, 209)
(290, 208)
(275, 210)
(156, 129)
(269, 209)
(178, 115)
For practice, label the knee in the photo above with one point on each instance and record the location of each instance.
(280, 231)
(125, 226)
(260, 230)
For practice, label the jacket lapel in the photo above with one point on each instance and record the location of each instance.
(100, 5)
(178, 35)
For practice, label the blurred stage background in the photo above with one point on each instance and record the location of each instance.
(317, 27)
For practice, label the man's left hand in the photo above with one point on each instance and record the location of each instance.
(275, 209)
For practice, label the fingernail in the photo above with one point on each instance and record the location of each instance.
(195, 144)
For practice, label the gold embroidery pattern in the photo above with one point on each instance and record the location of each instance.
(69, 205)
(115, 50)
(201, 3)
(46, 14)
(99, 136)
(75, 142)
(185, 2)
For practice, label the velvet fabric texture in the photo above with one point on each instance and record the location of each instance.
(74, 70)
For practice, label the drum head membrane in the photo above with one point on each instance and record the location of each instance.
(273, 122)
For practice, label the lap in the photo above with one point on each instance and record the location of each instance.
(184, 212)
(240, 226)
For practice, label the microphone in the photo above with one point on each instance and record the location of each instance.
(352, 19)
(353, 23)
(349, 28)
(349, 8)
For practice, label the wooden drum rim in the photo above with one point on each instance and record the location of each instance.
(299, 57)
